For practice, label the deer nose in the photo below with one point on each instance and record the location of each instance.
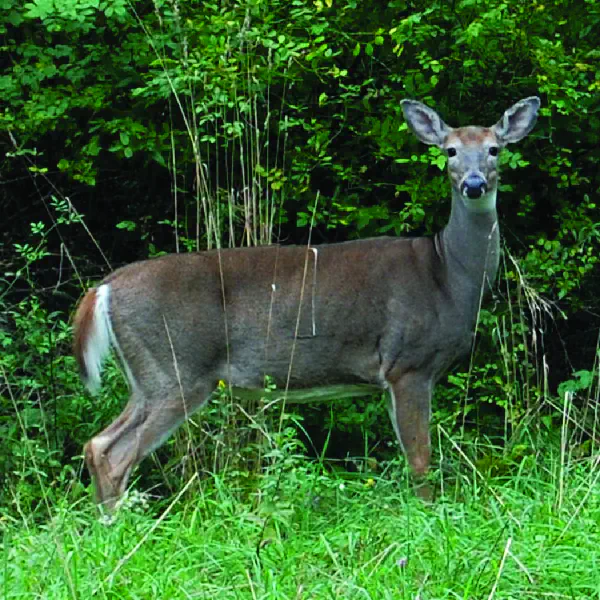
(474, 186)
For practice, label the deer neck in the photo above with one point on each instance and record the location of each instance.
(471, 243)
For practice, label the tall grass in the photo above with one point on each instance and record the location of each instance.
(303, 534)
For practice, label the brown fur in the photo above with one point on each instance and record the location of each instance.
(82, 323)
(471, 135)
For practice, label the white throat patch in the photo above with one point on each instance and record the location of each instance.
(486, 203)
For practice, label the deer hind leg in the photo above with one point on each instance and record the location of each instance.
(410, 412)
(105, 452)
(143, 426)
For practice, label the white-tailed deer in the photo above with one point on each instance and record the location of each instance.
(382, 314)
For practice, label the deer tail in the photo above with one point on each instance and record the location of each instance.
(93, 335)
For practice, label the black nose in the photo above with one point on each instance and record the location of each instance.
(474, 186)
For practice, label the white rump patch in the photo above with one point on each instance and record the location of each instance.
(100, 340)
(97, 344)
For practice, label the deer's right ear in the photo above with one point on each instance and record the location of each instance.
(425, 122)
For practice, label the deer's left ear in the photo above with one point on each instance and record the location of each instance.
(517, 121)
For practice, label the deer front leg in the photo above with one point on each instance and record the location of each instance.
(410, 412)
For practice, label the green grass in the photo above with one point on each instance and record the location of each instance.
(531, 534)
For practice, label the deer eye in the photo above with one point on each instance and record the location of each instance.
(451, 152)
(493, 150)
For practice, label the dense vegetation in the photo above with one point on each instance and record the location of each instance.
(130, 129)
(518, 538)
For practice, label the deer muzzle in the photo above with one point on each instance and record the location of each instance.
(474, 186)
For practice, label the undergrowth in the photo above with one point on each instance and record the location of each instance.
(530, 532)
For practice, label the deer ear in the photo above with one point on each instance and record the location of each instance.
(425, 122)
(517, 121)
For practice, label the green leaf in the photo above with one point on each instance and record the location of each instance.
(127, 225)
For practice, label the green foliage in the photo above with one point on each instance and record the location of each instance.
(304, 534)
